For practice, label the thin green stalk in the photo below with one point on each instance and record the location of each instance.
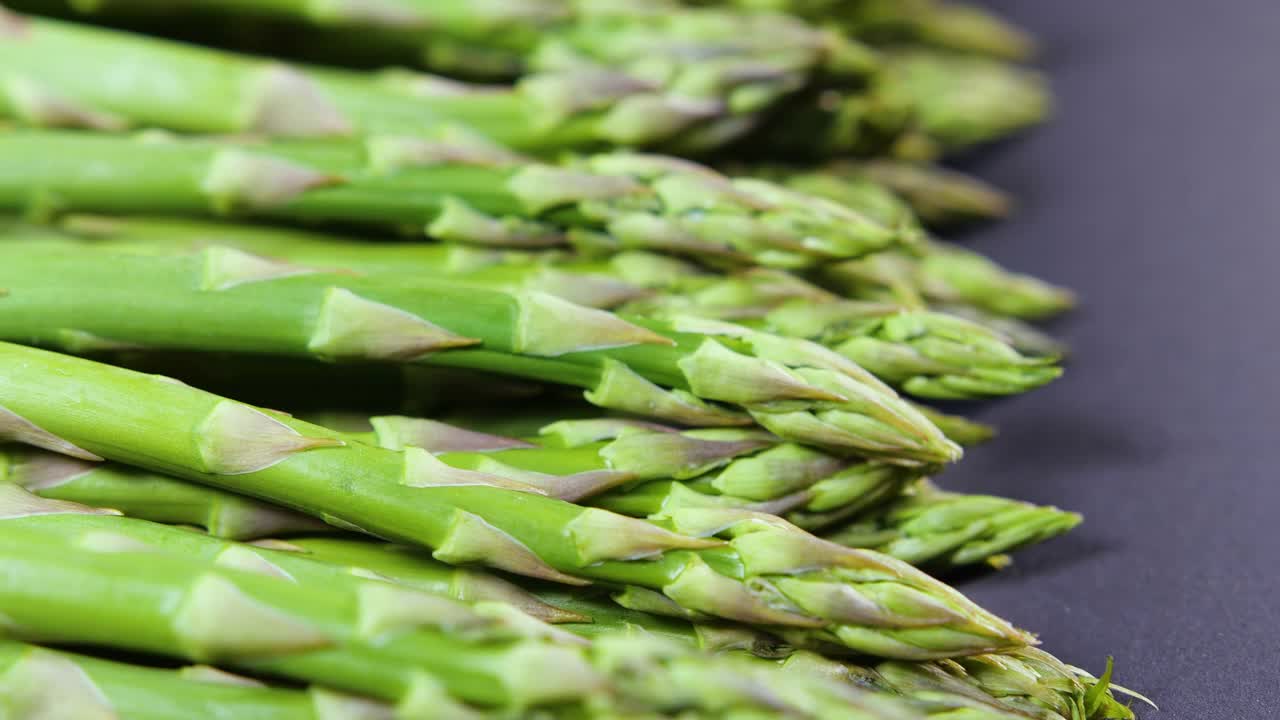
(63, 74)
(949, 276)
(939, 23)
(276, 612)
(929, 527)
(618, 200)
(758, 569)
(928, 354)
(224, 300)
(940, 197)
(36, 682)
(1021, 683)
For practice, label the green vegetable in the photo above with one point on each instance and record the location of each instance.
(760, 571)
(273, 612)
(612, 201)
(949, 25)
(1021, 683)
(225, 300)
(933, 528)
(927, 354)
(65, 75)
(37, 683)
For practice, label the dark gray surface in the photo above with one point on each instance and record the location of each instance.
(1156, 194)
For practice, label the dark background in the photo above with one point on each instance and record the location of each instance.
(1156, 194)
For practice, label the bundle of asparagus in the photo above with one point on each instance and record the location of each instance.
(616, 436)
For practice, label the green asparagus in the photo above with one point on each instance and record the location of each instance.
(281, 613)
(953, 277)
(933, 528)
(226, 300)
(618, 200)
(1024, 683)
(948, 25)
(37, 683)
(924, 353)
(940, 197)
(62, 74)
(759, 569)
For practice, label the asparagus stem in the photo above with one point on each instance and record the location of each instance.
(225, 300)
(622, 200)
(932, 528)
(281, 613)
(37, 682)
(925, 353)
(63, 74)
(1020, 683)
(761, 570)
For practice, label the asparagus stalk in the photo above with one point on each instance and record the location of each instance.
(760, 570)
(166, 499)
(965, 101)
(62, 74)
(224, 300)
(933, 528)
(950, 276)
(37, 682)
(927, 354)
(313, 621)
(939, 197)
(1021, 683)
(618, 200)
(921, 105)
(948, 25)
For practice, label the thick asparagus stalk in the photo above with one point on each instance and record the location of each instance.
(62, 74)
(224, 300)
(762, 570)
(620, 200)
(933, 528)
(1022, 683)
(39, 683)
(925, 353)
(314, 621)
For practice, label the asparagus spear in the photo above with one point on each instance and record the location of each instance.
(951, 276)
(925, 353)
(619, 200)
(62, 74)
(166, 499)
(37, 683)
(940, 197)
(225, 300)
(933, 528)
(949, 25)
(313, 621)
(920, 105)
(762, 570)
(1022, 683)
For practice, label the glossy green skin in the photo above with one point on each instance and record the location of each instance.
(143, 693)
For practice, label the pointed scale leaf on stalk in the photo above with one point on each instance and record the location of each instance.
(730, 563)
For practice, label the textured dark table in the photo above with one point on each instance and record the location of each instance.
(1156, 194)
